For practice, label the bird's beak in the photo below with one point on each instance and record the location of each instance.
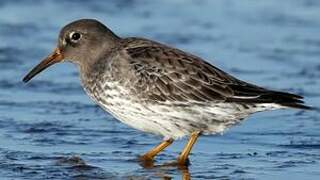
(53, 58)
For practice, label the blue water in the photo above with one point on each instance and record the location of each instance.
(49, 128)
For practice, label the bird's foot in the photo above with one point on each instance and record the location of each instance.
(146, 161)
(178, 163)
(181, 162)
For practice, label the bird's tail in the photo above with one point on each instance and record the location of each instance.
(284, 99)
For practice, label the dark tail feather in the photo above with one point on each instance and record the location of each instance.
(249, 93)
(298, 106)
(285, 99)
(267, 96)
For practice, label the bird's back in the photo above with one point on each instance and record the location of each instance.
(160, 73)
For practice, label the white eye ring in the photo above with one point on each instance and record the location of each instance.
(75, 36)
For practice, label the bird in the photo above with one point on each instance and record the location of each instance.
(159, 89)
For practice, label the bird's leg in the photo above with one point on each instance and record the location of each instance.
(156, 150)
(183, 157)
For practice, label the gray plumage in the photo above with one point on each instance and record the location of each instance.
(159, 89)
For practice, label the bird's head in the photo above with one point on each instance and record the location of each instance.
(79, 42)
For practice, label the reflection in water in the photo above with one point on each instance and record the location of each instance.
(164, 169)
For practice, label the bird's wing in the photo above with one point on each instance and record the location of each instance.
(164, 73)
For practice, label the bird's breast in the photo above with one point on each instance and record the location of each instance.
(115, 98)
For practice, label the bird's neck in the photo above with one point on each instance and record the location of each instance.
(95, 70)
(98, 61)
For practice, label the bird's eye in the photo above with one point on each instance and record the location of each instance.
(75, 36)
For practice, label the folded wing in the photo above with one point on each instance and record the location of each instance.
(168, 74)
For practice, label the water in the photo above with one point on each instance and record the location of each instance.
(49, 128)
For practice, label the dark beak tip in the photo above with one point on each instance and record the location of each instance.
(30, 75)
(25, 79)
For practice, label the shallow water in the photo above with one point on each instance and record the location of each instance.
(49, 128)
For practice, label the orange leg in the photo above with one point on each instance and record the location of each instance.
(153, 152)
(183, 157)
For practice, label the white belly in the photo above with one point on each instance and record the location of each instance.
(167, 119)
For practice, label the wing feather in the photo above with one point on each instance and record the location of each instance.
(174, 75)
